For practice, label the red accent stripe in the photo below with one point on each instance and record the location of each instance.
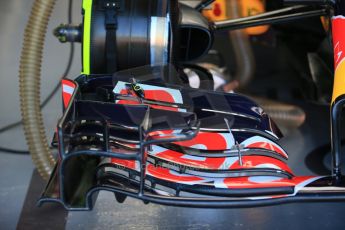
(66, 97)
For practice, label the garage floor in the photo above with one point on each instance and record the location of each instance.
(16, 170)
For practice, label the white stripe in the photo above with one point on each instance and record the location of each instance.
(229, 139)
(67, 89)
(228, 163)
(257, 139)
(199, 146)
(156, 150)
(269, 132)
(263, 179)
(339, 64)
(301, 185)
(194, 158)
(338, 17)
(219, 183)
(270, 166)
(298, 187)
